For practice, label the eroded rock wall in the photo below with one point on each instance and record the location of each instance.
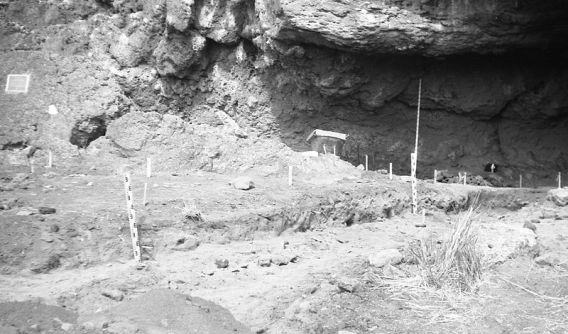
(494, 75)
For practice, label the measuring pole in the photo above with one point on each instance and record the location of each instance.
(334, 150)
(418, 118)
(366, 162)
(414, 156)
(132, 217)
(520, 180)
(390, 170)
(413, 181)
(464, 178)
(435, 176)
(559, 180)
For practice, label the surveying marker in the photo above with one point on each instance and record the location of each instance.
(334, 150)
(148, 167)
(144, 201)
(464, 178)
(413, 181)
(520, 180)
(435, 176)
(366, 162)
(559, 180)
(132, 217)
(290, 175)
(49, 159)
(390, 170)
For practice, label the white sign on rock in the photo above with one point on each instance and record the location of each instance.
(17, 83)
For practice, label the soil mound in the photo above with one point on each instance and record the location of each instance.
(34, 317)
(165, 311)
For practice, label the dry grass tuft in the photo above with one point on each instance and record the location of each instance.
(190, 212)
(456, 261)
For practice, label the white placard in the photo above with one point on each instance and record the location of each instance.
(17, 83)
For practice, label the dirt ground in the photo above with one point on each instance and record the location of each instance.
(279, 258)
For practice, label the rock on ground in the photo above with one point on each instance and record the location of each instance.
(243, 183)
(387, 256)
(553, 259)
(559, 196)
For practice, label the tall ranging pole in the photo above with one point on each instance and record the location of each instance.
(413, 182)
(414, 156)
(418, 118)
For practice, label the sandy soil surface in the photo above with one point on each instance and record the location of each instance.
(280, 259)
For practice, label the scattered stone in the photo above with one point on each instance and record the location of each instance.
(548, 214)
(26, 212)
(384, 257)
(54, 228)
(113, 294)
(346, 284)
(553, 259)
(530, 226)
(186, 243)
(89, 184)
(222, 263)
(243, 183)
(141, 266)
(46, 210)
(280, 259)
(47, 264)
(264, 262)
(535, 221)
(361, 167)
(558, 196)
(420, 224)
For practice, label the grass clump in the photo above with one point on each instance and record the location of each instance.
(190, 212)
(455, 262)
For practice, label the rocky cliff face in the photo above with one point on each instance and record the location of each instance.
(494, 76)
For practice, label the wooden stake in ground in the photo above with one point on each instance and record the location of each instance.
(520, 180)
(148, 167)
(144, 201)
(366, 162)
(334, 150)
(413, 181)
(464, 178)
(49, 159)
(290, 176)
(559, 180)
(390, 170)
(132, 217)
